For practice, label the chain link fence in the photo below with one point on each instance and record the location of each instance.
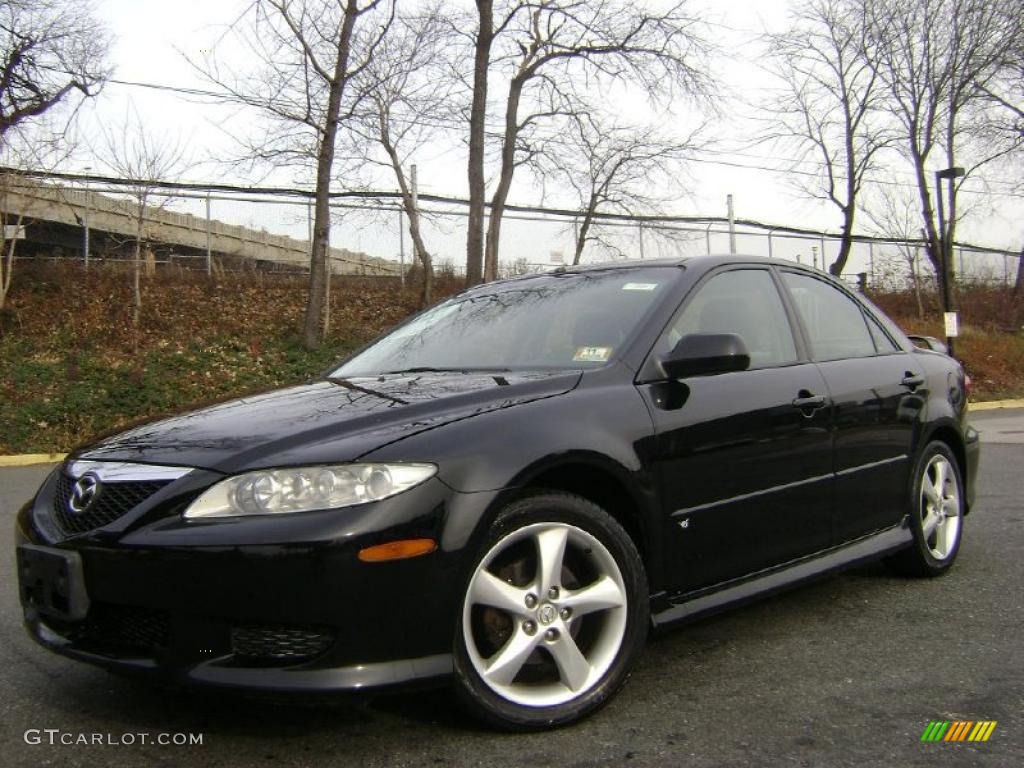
(212, 226)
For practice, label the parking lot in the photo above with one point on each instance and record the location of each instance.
(848, 671)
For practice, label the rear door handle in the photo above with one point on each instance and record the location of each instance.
(806, 401)
(912, 381)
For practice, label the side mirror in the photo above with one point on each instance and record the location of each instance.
(702, 354)
(929, 342)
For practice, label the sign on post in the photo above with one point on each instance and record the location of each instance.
(14, 231)
(952, 324)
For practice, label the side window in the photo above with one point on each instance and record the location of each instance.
(745, 302)
(883, 343)
(834, 322)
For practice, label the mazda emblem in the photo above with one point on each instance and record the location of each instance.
(84, 493)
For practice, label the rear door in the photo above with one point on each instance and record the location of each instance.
(743, 460)
(878, 391)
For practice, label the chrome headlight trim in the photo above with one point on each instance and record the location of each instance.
(124, 471)
(284, 490)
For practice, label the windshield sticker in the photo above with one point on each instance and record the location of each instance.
(639, 286)
(592, 355)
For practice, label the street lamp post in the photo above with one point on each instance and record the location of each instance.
(946, 253)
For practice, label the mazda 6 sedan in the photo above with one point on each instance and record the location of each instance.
(510, 489)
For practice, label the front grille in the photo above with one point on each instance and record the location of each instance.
(112, 501)
(275, 643)
(109, 625)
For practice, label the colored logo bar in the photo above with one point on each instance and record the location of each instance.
(958, 730)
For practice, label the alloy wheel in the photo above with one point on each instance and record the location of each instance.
(940, 507)
(545, 614)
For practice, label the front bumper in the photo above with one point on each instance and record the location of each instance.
(282, 604)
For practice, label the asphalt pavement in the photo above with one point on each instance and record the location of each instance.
(846, 672)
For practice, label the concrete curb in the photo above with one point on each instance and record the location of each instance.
(28, 459)
(993, 404)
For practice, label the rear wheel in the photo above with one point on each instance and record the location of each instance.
(553, 614)
(936, 514)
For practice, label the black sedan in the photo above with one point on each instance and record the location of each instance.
(510, 489)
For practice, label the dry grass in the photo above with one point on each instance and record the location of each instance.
(71, 365)
(991, 342)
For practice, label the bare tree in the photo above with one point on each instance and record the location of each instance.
(935, 58)
(10, 232)
(406, 106)
(304, 55)
(43, 143)
(892, 212)
(1002, 120)
(549, 50)
(133, 154)
(483, 41)
(48, 50)
(1004, 93)
(829, 106)
(615, 168)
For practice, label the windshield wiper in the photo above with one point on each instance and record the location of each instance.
(430, 369)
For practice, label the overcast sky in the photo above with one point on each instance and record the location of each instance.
(150, 36)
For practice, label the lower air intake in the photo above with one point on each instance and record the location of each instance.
(269, 643)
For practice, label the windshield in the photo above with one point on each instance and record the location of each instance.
(553, 321)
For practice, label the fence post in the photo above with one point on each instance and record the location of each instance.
(707, 235)
(85, 238)
(401, 248)
(871, 262)
(640, 226)
(209, 237)
(732, 224)
(770, 254)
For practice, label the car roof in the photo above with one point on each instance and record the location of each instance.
(702, 262)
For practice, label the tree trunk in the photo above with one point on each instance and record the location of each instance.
(419, 247)
(508, 168)
(1018, 284)
(581, 237)
(915, 280)
(427, 292)
(477, 118)
(932, 241)
(314, 325)
(845, 243)
(7, 261)
(136, 281)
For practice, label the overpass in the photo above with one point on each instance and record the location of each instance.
(60, 207)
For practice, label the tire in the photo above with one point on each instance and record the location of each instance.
(554, 612)
(936, 514)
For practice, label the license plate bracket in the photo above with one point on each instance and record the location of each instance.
(52, 582)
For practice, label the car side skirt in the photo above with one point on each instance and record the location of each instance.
(694, 605)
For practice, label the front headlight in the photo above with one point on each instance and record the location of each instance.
(304, 489)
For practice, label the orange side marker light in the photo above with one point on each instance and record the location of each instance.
(402, 549)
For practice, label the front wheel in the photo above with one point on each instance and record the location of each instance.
(936, 514)
(553, 614)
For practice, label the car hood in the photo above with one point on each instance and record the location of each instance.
(329, 420)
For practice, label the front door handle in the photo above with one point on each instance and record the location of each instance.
(912, 380)
(808, 402)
